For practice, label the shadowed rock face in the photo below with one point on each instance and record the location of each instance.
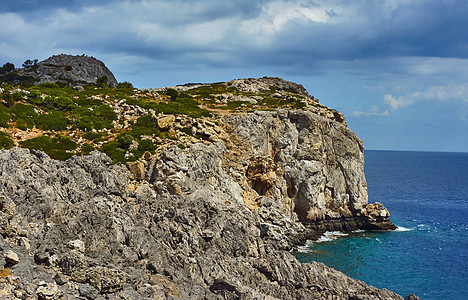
(71, 69)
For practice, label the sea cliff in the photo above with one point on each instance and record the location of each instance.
(212, 212)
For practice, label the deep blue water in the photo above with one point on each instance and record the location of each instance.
(427, 196)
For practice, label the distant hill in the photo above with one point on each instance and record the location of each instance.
(63, 68)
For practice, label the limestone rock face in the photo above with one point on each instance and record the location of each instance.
(306, 165)
(183, 232)
(70, 69)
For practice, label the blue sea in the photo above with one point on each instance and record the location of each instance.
(427, 196)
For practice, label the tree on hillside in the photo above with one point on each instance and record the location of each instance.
(172, 93)
(7, 68)
(30, 63)
(102, 81)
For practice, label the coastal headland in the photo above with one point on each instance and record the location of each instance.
(197, 191)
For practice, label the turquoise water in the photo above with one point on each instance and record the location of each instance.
(427, 196)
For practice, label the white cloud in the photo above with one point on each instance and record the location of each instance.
(277, 14)
(439, 93)
(373, 111)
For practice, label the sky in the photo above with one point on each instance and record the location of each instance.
(397, 69)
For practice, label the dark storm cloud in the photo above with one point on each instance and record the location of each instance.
(263, 31)
(302, 35)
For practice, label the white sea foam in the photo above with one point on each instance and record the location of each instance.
(330, 236)
(305, 248)
(401, 228)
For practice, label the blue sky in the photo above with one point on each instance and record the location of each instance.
(397, 69)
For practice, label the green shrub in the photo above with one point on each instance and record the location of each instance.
(92, 135)
(184, 105)
(187, 130)
(87, 148)
(58, 147)
(98, 118)
(62, 103)
(125, 85)
(53, 121)
(4, 117)
(25, 115)
(113, 150)
(102, 81)
(5, 141)
(49, 85)
(172, 93)
(8, 100)
(125, 140)
(144, 126)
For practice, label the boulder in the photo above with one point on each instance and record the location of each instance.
(166, 122)
(12, 258)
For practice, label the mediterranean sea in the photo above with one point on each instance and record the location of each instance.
(427, 196)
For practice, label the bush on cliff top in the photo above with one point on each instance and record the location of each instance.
(58, 147)
(5, 141)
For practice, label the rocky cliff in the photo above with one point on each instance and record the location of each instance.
(81, 228)
(211, 214)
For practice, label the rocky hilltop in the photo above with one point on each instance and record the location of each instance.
(197, 191)
(69, 69)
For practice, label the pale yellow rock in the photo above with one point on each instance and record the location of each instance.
(12, 258)
(166, 122)
(137, 169)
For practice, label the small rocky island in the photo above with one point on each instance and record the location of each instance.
(198, 191)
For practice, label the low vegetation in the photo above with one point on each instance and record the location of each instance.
(66, 120)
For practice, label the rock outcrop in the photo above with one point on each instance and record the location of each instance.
(305, 166)
(70, 69)
(185, 233)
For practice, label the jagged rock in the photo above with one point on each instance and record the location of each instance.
(106, 280)
(88, 291)
(77, 245)
(70, 69)
(376, 217)
(137, 169)
(412, 297)
(12, 258)
(49, 291)
(60, 279)
(308, 165)
(74, 265)
(7, 211)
